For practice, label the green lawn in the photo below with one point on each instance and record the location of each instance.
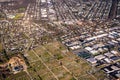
(18, 16)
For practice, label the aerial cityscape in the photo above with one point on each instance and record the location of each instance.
(59, 39)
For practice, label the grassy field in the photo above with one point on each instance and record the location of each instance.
(19, 76)
(54, 53)
(53, 61)
(31, 56)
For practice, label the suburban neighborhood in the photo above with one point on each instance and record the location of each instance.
(59, 39)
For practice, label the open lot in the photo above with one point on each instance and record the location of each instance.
(52, 61)
(19, 76)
